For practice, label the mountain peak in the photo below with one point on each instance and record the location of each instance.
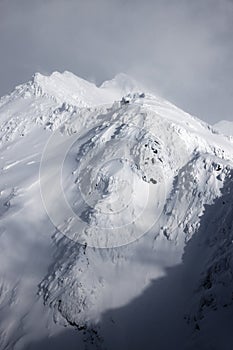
(65, 80)
(69, 88)
(66, 87)
(139, 172)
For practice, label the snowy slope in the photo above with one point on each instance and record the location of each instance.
(225, 127)
(95, 188)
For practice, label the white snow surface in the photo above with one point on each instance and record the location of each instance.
(99, 195)
(225, 127)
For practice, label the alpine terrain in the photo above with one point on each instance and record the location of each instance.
(116, 226)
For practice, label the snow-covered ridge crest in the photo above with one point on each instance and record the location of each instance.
(67, 87)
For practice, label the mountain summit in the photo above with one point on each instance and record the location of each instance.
(67, 87)
(102, 190)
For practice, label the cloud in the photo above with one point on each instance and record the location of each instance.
(182, 49)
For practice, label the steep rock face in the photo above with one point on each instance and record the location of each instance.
(118, 188)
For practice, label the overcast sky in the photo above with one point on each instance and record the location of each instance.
(181, 49)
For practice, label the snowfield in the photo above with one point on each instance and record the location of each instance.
(116, 220)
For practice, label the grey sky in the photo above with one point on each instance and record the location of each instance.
(181, 49)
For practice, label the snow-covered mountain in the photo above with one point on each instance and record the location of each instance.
(101, 189)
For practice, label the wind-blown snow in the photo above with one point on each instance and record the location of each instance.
(85, 168)
(225, 127)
